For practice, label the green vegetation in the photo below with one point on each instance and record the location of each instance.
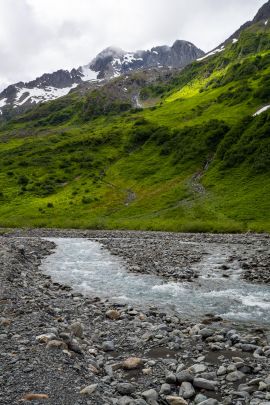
(197, 161)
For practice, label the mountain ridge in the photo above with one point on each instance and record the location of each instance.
(263, 14)
(192, 155)
(111, 62)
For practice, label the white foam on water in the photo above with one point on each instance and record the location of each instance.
(255, 302)
(244, 316)
(171, 288)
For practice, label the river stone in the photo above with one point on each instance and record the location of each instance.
(33, 397)
(247, 388)
(235, 376)
(74, 346)
(180, 367)
(165, 389)
(46, 338)
(77, 329)
(176, 400)
(221, 371)
(210, 401)
(242, 394)
(205, 384)
(206, 332)
(147, 371)
(56, 344)
(246, 347)
(267, 380)
(125, 388)
(65, 337)
(132, 363)
(184, 376)
(186, 390)
(262, 386)
(108, 346)
(200, 398)
(209, 376)
(5, 322)
(195, 330)
(231, 368)
(125, 401)
(150, 395)
(90, 389)
(170, 378)
(198, 368)
(113, 314)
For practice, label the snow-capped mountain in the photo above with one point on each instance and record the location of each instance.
(111, 62)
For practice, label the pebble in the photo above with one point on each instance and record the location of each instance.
(165, 389)
(56, 344)
(186, 390)
(108, 346)
(125, 388)
(132, 363)
(200, 398)
(77, 329)
(205, 384)
(183, 376)
(176, 400)
(89, 390)
(235, 376)
(150, 395)
(113, 314)
(46, 338)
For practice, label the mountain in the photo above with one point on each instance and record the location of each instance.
(109, 63)
(263, 17)
(158, 148)
(113, 62)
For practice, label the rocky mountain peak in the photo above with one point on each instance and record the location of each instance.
(109, 63)
(263, 13)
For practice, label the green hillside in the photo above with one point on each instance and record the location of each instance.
(196, 160)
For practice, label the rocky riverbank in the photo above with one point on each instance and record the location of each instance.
(58, 347)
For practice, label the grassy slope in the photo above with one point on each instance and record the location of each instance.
(61, 168)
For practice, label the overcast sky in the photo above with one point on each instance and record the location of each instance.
(38, 36)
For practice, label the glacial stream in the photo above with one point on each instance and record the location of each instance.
(93, 271)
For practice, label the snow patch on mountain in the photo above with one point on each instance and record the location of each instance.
(3, 102)
(130, 58)
(261, 110)
(88, 74)
(212, 53)
(36, 95)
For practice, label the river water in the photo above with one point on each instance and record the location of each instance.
(92, 270)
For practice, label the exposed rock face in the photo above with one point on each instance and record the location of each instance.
(109, 63)
(263, 13)
(113, 62)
